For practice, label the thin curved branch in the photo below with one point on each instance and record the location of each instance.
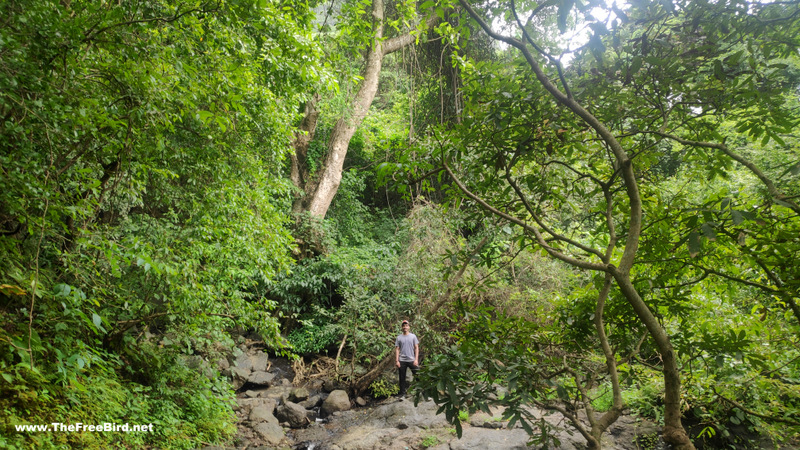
(537, 234)
(570, 416)
(615, 411)
(751, 412)
(623, 160)
(398, 42)
(548, 230)
(773, 191)
(541, 51)
(93, 34)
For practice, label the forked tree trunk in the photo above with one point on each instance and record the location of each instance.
(320, 190)
(674, 433)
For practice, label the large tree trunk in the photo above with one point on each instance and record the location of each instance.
(300, 174)
(320, 190)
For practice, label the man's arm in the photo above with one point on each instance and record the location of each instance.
(416, 354)
(397, 356)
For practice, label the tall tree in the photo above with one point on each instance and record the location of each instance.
(590, 132)
(319, 188)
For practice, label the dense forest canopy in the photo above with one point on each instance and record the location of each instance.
(593, 208)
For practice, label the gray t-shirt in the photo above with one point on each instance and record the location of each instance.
(406, 343)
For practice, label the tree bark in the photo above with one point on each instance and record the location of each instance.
(299, 171)
(319, 193)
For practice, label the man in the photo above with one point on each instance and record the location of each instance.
(406, 350)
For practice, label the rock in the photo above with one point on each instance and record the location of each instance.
(298, 395)
(262, 413)
(251, 394)
(223, 364)
(246, 405)
(259, 393)
(239, 376)
(270, 432)
(361, 402)
(331, 385)
(261, 378)
(480, 438)
(276, 392)
(393, 415)
(337, 401)
(259, 362)
(312, 402)
(243, 364)
(314, 433)
(293, 414)
(494, 424)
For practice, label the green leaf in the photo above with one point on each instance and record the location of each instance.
(737, 217)
(693, 244)
(636, 64)
(719, 72)
(708, 232)
(96, 320)
(562, 393)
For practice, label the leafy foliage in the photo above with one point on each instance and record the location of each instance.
(140, 193)
(382, 388)
(692, 107)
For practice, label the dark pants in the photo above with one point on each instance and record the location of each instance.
(404, 365)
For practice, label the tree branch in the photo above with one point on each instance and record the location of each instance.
(773, 191)
(537, 234)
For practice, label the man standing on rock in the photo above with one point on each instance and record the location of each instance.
(406, 350)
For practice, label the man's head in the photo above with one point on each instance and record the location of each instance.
(405, 326)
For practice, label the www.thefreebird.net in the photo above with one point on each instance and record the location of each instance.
(57, 427)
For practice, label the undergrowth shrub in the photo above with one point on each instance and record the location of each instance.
(184, 406)
(383, 387)
(316, 334)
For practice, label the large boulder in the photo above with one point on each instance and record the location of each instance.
(338, 400)
(266, 425)
(481, 438)
(245, 405)
(243, 363)
(250, 361)
(279, 393)
(271, 433)
(259, 361)
(262, 413)
(261, 378)
(293, 414)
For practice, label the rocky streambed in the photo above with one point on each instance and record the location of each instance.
(317, 414)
